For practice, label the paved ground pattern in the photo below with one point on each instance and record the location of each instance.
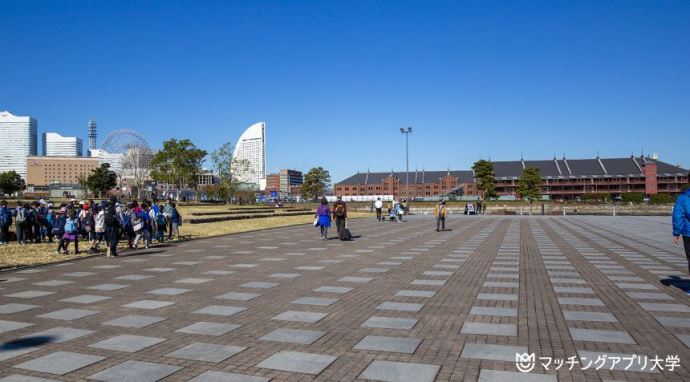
(399, 303)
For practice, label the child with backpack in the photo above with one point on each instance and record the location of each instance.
(161, 225)
(67, 230)
(50, 221)
(21, 216)
(98, 233)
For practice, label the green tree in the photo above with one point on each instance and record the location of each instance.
(101, 180)
(11, 182)
(528, 185)
(225, 165)
(486, 178)
(315, 182)
(178, 163)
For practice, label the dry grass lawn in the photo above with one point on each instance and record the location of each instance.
(13, 255)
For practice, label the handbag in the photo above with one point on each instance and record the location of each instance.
(316, 222)
(138, 227)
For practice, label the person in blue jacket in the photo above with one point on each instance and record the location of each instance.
(681, 221)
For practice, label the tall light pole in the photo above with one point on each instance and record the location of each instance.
(407, 131)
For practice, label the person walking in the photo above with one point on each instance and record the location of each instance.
(480, 205)
(323, 216)
(167, 211)
(50, 221)
(378, 205)
(113, 224)
(21, 216)
(339, 214)
(5, 223)
(440, 213)
(98, 233)
(681, 221)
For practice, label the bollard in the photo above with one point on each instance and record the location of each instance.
(563, 211)
(614, 210)
(520, 211)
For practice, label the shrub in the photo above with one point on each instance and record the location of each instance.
(635, 197)
(661, 199)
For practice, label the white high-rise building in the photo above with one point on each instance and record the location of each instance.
(251, 149)
(55, 145)
(19, 140)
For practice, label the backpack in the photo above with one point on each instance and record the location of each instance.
(21, 216)
(4, 217)
(87, 220)
(49, 219)
(111, 218)
(70, 226)
(340, 210)
(160, 219)
(345, 234)
(41, 216)
(57, 225)
(31, 217)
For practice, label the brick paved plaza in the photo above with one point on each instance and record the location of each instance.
(400, 303)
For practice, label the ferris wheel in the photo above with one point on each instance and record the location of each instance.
(123, 140)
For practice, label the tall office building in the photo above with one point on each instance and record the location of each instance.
(251, 147)
(55, 145)
(20, 140)
(92, 134)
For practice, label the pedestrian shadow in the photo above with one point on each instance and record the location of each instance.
(26, 342)
(139, 252)
(678, 282)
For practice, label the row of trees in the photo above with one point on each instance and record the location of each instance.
(528, 185)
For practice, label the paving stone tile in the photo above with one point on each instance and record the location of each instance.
(489, 329)
(208, 328)
(200, 351)
(238, 296)
(486, 375)
(674, 322)
(575, 290)
(219, 376)
(374, 270)
(59, 335)
(30, 294)
(160, 270)
(654, 307)
(260, 285)
(169, 291)
(415, 293)
(356, 280)
(218, 273)
(221, 310)
(149, 304)
(25, 378)
(390, 371)
(300, 316)
(333, 289)
(60, 362)
(69, 314)
(388, 344)
(491, 352)
(497, 297)
(317, 301)
(389, 323)
(127, 343)
(16, 308)
(589, 316)
(608, 336)
(133, 321)
(53, 283)
(580, 301)
(400, 306)
(8, 326)
(134, 277)
(297, 362)
(309, 268)
(649, 296)
(305, 337)
(486, 311)
(284, 275)
(108, 287)
(86, 299)
(500, 284)
(636, 286)
(135, 371)
(429, 282)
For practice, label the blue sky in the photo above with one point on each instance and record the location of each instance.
(335, 81)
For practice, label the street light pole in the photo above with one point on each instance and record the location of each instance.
(407, 131)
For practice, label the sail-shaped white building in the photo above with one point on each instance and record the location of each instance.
(251, 150)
